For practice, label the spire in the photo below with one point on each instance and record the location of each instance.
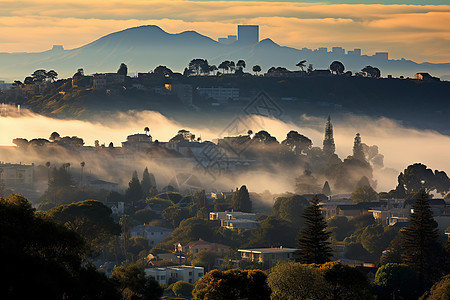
(328, 141)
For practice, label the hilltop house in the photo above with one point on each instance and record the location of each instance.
(269, 257)
(194, 247)
(175, 273)
(154, 234)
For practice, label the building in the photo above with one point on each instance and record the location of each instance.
(220, 94)
(239, 224)
(154, 234)
(425, 77)
(182, 91)
(138, 142)
(248, 34)
(194, 247)
(381, 56)
(228, 40)
(106, 80)
(103, 185)
(338, 51)
(268, 257)
(175, 273)
(354, 52)
(16, 175)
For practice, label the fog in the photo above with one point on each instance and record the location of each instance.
(400, 146)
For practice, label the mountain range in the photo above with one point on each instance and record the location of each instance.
(145, 47)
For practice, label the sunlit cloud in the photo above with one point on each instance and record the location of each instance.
(418, 32)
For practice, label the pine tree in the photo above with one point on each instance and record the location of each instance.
(312, 240)
(328, 142)
(241, 200)
(421, 249)
(326, 190)
(358, 152)
(146, 183)
(134, 191)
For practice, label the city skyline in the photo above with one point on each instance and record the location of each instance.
(416, 32)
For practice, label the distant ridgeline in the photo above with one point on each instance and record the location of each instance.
(219, 93)
(148, 46)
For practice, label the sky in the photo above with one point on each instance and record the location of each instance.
(417, 29)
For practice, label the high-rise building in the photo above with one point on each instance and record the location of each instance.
(248, 34)
(328, 142)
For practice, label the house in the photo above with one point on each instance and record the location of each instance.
(154, 234)
(138, 142)
(220, 94)
(16, 175)
(103, 185)
(240, 224)
(194, 247)
(425, 77)
(269, 257)
(175, 273)
(350, 210)
(106, 80)
(235, 219)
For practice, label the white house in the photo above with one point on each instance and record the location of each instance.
(154, 234)
(186, 273)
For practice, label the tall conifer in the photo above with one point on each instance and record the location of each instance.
(312, 241)
(421, 249)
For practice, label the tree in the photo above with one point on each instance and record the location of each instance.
(205, 258)
(301, 65)
(396, 281)
(123, 69)
(182, 289)
(52, 75)
(358, 152)
(146, 130)
(440, 290)
(296, 281)
(421, 249)
(225, 65)
(144, 216)
(371, 72)
(240, 64)
(232, 284)
(134, 191)
(133, 284)
(146, 183)
(241, 200)
(256, 69)
(39, 75)
(163, 71)
(364, 194)
(199, 66)
(345, 282)
(54, 136)
(34, 244)
(312, 240)
(297, 142)
(337, 67)
(290, 209)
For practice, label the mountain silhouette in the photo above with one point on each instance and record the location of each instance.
(144, 48)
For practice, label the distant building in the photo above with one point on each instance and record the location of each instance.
(175, 273)
(220, 94)
(338, 51)
(321, 50)
(228, 40)
(354, 52)
(106, 80)
(16, 175)
(154, 234)
(103, 185)
(425, 77)
(381, 56)
(194, 247)
(248, 34)
(138, 142)
(269, 257)
(235, 220)
(58, 48)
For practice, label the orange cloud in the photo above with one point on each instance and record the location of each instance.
(412, 31)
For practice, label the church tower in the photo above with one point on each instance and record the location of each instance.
(328, 141)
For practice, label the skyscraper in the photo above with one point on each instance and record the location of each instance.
(328, 141)
(248, 34)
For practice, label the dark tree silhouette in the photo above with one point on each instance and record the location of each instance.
(123, 69)
(337, 67)
(256, 69)
(301, 65)
(421, 249)
(312, 240)
(241, 200)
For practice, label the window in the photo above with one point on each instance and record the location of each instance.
(190, 273)
(163, 277)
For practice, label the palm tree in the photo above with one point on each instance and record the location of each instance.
(301, 65)
(146, 129)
